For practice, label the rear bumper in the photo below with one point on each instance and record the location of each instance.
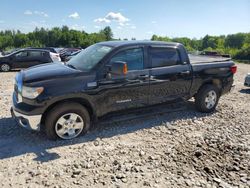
(228, 87)
(26, 121)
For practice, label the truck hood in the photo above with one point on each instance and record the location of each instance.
(47, 72)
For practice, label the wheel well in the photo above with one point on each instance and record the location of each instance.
(215, 82)
(83, 102)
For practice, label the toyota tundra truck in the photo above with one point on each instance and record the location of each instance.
(65, 99)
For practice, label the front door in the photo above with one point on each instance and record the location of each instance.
(170, 78)
(20, 60)
(129, 92)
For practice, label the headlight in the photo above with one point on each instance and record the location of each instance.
(31, 92)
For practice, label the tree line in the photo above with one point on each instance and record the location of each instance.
(55, 37)
(237, 45)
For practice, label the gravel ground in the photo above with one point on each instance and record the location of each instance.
(178, 149)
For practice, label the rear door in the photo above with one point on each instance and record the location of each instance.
(170, 78)
(45, 57)
(35, 57)
(128, 92)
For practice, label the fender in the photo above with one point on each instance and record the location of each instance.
(81, 98)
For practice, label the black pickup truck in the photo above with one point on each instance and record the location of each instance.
(115, 76)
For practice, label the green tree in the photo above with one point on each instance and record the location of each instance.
(235, 40)
(107, 32)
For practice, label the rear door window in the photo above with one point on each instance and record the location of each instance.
(162, 57)
(35, 54)
(133, 58)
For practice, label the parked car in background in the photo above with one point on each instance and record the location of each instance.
(247, 80)
(72, 55)
(54, 52)
(67, 52)
(64, 99)
(24, 59)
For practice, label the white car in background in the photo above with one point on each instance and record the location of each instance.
(55, 56)
(247, 80)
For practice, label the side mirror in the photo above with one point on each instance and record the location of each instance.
(119, 68)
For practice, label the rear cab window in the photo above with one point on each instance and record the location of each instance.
(134, 58)
(163, 57)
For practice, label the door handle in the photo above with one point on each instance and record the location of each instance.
(144, 76)
(185, 72)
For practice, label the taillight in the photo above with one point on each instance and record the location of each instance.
(233, 69)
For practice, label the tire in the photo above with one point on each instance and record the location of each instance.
(207, 98)
(5, 67)
(58, 122)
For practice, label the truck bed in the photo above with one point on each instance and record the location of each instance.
(196, 59)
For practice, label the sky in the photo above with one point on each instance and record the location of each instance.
(130, 18)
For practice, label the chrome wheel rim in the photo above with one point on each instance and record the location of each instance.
(210, 99)
(69, 126)
(5, 67)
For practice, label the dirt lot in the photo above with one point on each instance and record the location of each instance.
(177, 149)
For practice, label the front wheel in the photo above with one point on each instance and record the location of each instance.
(5, 67)
(207, 98)
(67, 121)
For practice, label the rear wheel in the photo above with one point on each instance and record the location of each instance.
(5, 67)
(207, 98)
(67, 121)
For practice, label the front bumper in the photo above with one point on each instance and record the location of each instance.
(26, 121)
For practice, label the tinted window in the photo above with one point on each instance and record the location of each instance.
(35, 54)
(133, 58)
(161, 57)
(21, 54)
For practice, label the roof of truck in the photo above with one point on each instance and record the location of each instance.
(136, 42)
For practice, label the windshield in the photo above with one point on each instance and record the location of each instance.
(89, 57)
